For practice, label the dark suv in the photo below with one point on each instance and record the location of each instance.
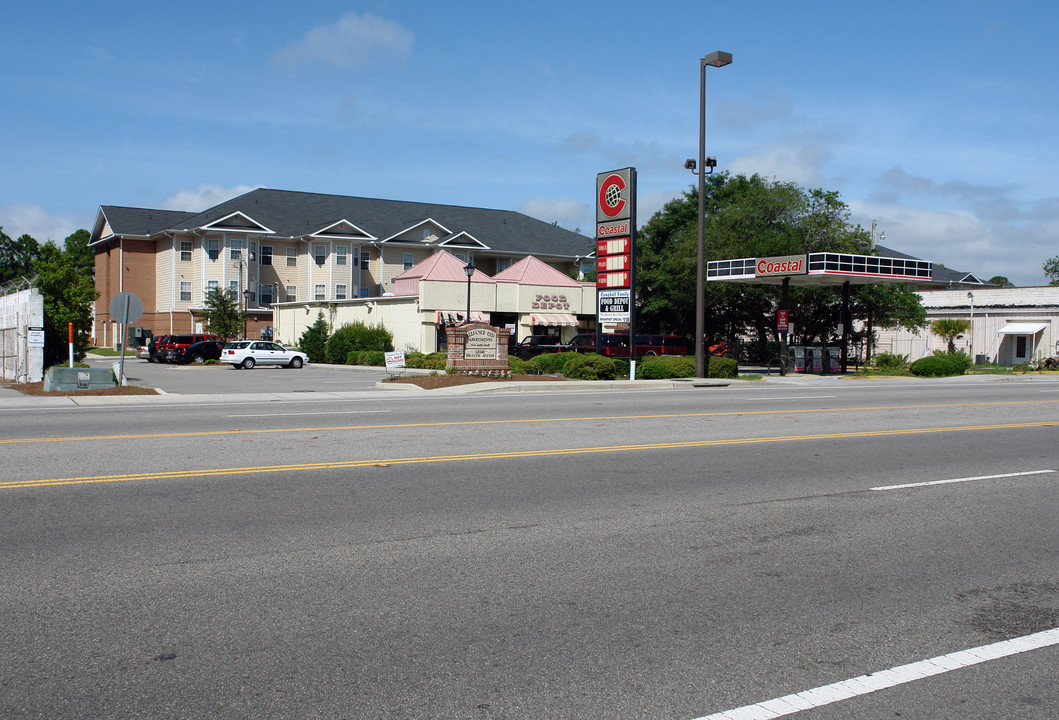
(197, 353)
(533, 345)
(614, 344)
(176, 342)
(156, 349)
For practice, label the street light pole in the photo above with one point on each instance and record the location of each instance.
(469, 269)
(714, 59)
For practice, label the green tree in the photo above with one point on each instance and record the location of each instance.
(1001, 281)
(17, 257)
(313, 341)
(68, 293)
(753, 217)
(78, 252)
(1051, 270)
(950, 328)
(224, 317)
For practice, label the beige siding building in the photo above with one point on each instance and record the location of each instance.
(271, 247)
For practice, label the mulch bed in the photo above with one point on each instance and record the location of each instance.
(37, 389)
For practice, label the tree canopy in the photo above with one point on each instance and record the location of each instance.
(1051, 270)
(755, 217)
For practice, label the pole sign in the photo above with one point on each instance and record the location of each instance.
(781, 321)
(616, 249)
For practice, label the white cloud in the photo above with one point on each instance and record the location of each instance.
(801, 166)
(33, 220)
(206, 196)
(570, 213)
(352, 43)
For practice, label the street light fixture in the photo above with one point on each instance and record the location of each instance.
(716, 59)
(469, 269)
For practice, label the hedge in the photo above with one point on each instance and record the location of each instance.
(663, 367)
(590, 366)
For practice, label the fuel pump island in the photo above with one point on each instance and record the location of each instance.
(818, 270)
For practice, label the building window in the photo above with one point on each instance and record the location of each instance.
(409, 260)
(340, 292)
(266, 295)
(340, 255)
(266, 254)
(320, 254)
(185, 251)
(252, 248)
(233, 289)
(213, 248)
(185, 291)
(236, 249)
(291, 293)
(212, 286)
(365, 292)
(292, 257)
(503, 264)
(365, 258)
(318, 293)
(462, 257)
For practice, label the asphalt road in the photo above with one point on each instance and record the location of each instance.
(623, 554)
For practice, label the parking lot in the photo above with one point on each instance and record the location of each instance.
(207, 379)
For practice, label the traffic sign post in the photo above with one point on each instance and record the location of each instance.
(128, 308)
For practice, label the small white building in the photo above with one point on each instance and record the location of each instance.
(1009, 325)
(530, 297)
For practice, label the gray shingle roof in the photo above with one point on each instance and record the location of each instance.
(292, 214)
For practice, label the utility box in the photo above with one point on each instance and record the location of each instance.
(798, 351)
(67, 379)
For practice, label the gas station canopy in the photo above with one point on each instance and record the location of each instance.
(823, 268)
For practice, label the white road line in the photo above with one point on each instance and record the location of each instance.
(322, 412)
(960, 480)
(794, 397)
(827, 694)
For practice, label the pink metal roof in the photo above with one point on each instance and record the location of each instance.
(531, 271)
(442, 266)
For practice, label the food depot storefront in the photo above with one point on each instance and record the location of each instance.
(530, 297)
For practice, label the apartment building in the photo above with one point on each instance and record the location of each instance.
(275, 246)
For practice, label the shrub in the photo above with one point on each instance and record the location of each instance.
(722, 367)
(313, 341)
(357, 336)
(663, 367)
(366, 357)
(590, 366)
(622, 367)
(550, 363)
(516, 365)
(890, 361)
(939, 365)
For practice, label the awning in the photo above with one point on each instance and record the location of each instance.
(1022, 328)
(455, 316)
(558, 319)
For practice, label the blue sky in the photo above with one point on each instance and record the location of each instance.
(938, 120)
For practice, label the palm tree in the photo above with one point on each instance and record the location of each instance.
(950, 329)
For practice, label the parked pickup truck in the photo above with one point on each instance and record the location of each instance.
(533, 345)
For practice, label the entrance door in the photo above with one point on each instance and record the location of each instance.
(1022, 349)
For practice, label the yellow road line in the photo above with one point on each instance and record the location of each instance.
(464, 423)
(550, 452)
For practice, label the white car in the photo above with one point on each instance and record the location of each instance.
(248, 353)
